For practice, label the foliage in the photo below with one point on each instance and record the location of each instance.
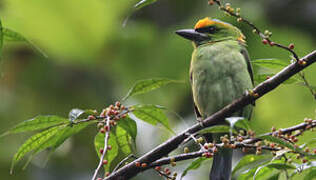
(55, 130)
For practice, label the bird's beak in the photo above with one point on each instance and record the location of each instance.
(192, 35)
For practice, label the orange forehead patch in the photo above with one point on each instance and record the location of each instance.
(207, 22)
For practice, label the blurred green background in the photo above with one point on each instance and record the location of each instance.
(94, 59)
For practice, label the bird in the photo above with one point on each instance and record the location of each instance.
(220, 72)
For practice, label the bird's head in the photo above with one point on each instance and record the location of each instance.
(209, 30)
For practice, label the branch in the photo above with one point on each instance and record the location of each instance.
(105, 148)
(130, 170)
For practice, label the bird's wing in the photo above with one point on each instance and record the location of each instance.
(196, 110)
(244, 52)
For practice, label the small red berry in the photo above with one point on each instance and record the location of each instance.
(265, 41)
(101, 151)
(106, 128)
(167, 170)
(144, 165)
(91, 117)
(272, 43)
(291, 46)
(104, 162)
(137, 164)
(158, 168)
(102, 130)
(109, 147)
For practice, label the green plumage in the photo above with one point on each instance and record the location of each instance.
(220, 73)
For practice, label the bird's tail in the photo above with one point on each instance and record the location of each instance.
(222, 165)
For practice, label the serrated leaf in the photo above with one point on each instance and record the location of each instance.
(58, 139)
(145, 86)
(129, 125)
(10, 35)
(144, 3)
(34, 142)
(215, 129)
(37, 123)
(151, 114)
(111, 154)
(249, 162)
(194, 165)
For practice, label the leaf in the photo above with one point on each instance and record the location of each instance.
(129, 125)
(311, 142)
(151, 114)
(270, 63)
(111, 154)
(194, 165)
(249, 162)
(10, 35)
(58, 139)
(124, 141)
(271, 166)
(238, 122)
(37, 123)
(311, 174)
(145, 86)
(280, 142)
(215, 129)
(34, 142)
(143, 3)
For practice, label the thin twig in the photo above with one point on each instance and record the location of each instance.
(123, 161)
(257, 30)
(106, 138)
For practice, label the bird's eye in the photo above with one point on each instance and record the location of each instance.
(209, 29)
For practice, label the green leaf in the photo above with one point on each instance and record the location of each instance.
(215, 129)
(58, 139)
(124, 141)
(270, 63)
(151, 114)
(311, 174)
(280, 142)
(111, 154)
(238, 122)
(10, 35)
(37, 123)
(268, 168)
(129, 125)
(249, 162)
(144, 3)
(145, 86)
(194, 165)
(34, 142)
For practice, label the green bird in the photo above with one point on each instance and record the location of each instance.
(220, 72)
